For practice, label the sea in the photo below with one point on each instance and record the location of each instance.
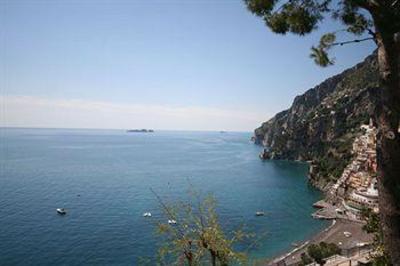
(104, 179)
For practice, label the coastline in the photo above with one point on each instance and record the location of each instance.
(342, 158)
(305, 243)
(312, 238)
(331, 234)
(292, 250)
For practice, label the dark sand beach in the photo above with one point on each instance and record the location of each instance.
(358, 240)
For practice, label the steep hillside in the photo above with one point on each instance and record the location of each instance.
(321, 124)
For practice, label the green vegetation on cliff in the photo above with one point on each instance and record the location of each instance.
(321, 124)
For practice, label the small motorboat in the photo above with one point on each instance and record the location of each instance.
(171, 221)
(147, 214)
(61, 211)
(260, 213)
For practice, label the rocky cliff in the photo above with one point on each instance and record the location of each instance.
(322, 124)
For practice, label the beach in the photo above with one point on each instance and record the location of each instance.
(358, 241)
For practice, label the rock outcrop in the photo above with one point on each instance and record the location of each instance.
(322, 124)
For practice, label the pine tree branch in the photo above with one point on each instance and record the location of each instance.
(372, 33)
(352, 41)
(167, 211)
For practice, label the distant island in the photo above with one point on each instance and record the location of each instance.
(140, 131)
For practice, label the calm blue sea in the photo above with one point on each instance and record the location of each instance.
(102, 177)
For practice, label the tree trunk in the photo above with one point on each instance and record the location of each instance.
(213, 258)
(388, 144)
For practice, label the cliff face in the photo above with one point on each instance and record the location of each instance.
(322, 124)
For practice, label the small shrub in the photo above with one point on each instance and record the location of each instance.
(321, 251)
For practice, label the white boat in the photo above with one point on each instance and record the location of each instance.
(147, 214)
(347, 234)
(260, 213)
(61, 211)
(171, 221)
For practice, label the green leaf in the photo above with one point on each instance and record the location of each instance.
(321, 57)
(260, 7)
(327, 40)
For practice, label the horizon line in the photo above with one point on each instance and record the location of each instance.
(125, 129)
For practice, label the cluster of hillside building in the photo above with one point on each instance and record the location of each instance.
(357, 186)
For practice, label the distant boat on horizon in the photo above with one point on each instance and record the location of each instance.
(140, 130)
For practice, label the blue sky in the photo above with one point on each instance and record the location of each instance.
(199, 65)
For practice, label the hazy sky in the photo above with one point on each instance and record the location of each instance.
(188, 64)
